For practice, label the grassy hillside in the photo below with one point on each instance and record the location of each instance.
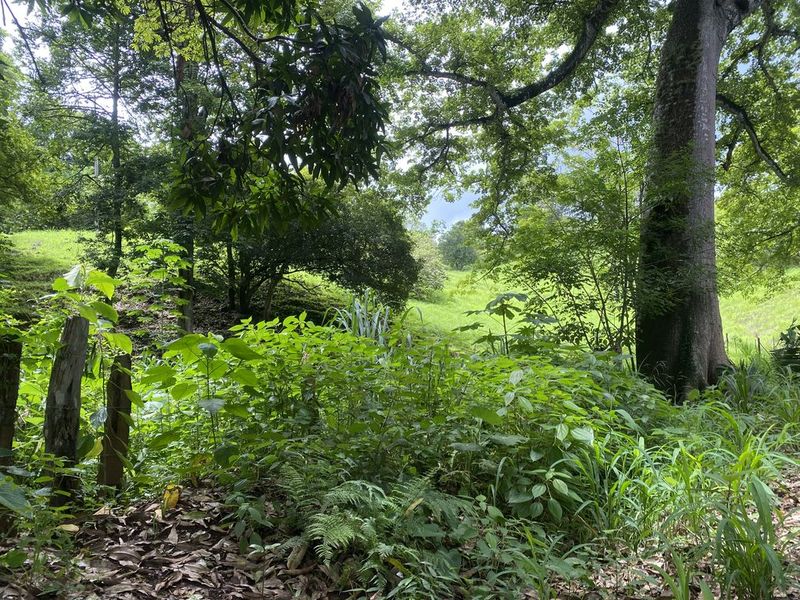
(462, 292)
(34, 259)
(38, 257)
(764, 315)
(744, 318)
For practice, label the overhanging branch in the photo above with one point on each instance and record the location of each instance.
(591, 28)
(504, 100)
(740, 114)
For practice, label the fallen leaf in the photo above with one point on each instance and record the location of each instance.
(172, 494)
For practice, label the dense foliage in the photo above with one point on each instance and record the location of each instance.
(436, 469)
(582, 431)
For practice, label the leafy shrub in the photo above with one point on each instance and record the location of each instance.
(457, 248)
(432, 273)
(414, 469)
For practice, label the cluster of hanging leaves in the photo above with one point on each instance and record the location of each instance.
(311, 112)
(290, 95)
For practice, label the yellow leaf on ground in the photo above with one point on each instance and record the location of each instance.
(171, 496)
(69, 528)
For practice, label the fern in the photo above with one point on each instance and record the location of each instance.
(335, 532)
(356, 494)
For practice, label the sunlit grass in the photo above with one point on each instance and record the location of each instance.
(42, 255)
(745, 318)
(763, 315)
(34, 260)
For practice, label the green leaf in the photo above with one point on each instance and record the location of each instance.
(13, 498)
(240, 349)
(187, 342)
(183, 389)
(562, 431)
(96, 449)
(106, 311)
(485, 414)
(157, 374)
(103, 282)
(60, 285)
(538, 490)
(87, 312)
(516, 376)
(75, 276)
(162, 440)
(119, 341)
(508, 440)
(245, 376)
(208, 349)
(494, 512)
(535, 456)
(584, 435)
(223, 454)
(466, 447)
(236, 410)
(519, 496)
(14, 559)
(560, 487)
(554, 508)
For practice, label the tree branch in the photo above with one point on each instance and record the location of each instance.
(741, 115)
(503, 101)
(591, 28)
(25, 41)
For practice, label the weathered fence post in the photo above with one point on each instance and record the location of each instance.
(10, 359)
(63, 406)
(118, 411)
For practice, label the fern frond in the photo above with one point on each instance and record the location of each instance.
(335, 532)
(356, 493)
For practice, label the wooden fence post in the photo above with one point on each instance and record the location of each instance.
(63, 405)
(10, 359)
(118, 411)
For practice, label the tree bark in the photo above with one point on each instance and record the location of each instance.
(230, 273)
(679, 341)
(118, 412)
(186, 74)
(63, 405)
(272, 285)
(10, 359)
(186, 294)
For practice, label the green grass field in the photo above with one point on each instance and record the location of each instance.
(38, 257)
(744, 318)
(34, 260)
(462, 292)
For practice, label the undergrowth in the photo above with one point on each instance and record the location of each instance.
(413, 469)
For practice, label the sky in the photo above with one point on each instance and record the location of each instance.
(449, 212)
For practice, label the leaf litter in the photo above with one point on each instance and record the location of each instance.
(143, 552)
(188, 553)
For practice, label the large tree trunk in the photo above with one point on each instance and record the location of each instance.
(10, 358)
(63, 406)
(189, 122)
(679, 342)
